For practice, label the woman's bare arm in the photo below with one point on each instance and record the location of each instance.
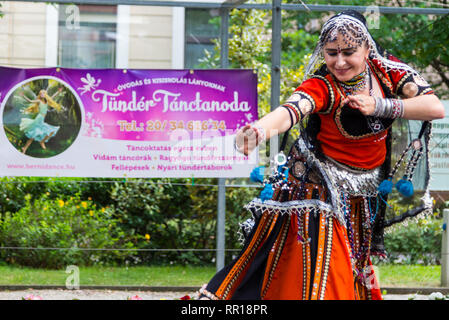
(56, 93)
(425, 107)
(274, 123)
(29, 100)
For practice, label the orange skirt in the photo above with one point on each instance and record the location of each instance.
(308, 256)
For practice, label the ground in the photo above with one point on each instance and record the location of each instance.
(124, 295)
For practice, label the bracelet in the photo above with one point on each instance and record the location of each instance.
(236, 147)
(290, 110)
(207, 294)
(261, 133)
(389, 108)
(398, 108)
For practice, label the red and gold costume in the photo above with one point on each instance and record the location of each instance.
(345, 127)
(314, 237)
(299, 253)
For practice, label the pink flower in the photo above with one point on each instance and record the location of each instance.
(32, 297)
(136, 297)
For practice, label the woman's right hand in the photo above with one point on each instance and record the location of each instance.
(247, 138)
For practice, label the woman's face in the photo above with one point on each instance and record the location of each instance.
(344, 59)
(42, 96)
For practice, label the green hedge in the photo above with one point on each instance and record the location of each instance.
(146, 214)
(62, 223)
(139, 213)
(176, 215)
(417, 243)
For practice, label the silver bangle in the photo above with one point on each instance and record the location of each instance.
(261, 133)
(236, 147)
(261, 136)
(388, 108)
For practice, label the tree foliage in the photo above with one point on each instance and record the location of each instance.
(418, 39)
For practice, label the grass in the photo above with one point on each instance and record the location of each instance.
(389, 276)
(110, 276)
(409, 276)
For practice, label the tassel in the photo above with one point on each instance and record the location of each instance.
(385, 187)
(405, 187)
(257, 174)
(286, 173)
(267, 192)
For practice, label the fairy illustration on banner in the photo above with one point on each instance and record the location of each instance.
(42, 118)
(37, 129)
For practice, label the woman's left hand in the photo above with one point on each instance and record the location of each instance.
(365, 104)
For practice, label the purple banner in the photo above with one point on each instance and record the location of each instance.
(105, 122)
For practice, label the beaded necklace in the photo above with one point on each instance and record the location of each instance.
(355, 84)
(351, 86)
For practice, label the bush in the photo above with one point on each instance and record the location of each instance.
(14, 189)
(417, 243)
(161, 209)
(149, 214)
(69, 223)
(178, 216)
(152, 213)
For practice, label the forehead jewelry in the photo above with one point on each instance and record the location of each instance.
(353, 32)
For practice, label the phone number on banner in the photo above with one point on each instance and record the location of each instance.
(171, 125)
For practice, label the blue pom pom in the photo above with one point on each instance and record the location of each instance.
(385, 187)
(405, 187)
(267, 192)
(257, 174)
(399, 184)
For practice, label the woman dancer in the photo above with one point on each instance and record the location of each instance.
(313, 225)
(37, 129)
